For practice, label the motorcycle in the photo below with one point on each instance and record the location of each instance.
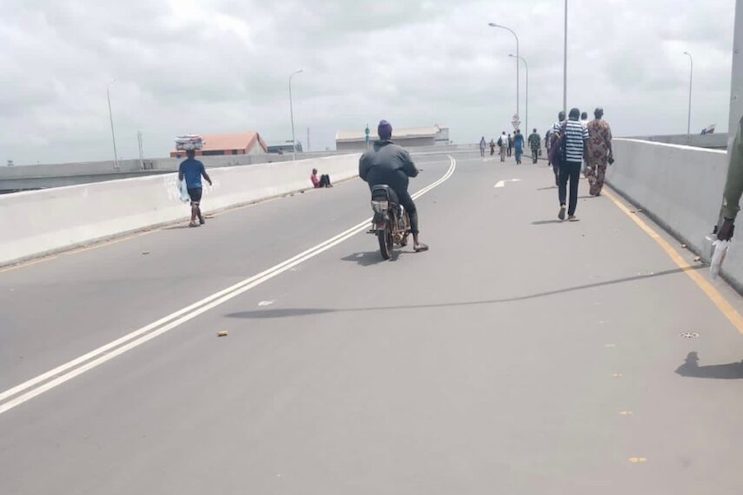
(391, 223)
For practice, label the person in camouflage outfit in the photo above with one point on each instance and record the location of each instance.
(600, 153)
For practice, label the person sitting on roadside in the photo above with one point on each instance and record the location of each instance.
(322, 181)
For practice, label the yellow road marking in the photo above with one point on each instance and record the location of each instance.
(637, 460)
(27, 263)
(95, 245)
(712, 293)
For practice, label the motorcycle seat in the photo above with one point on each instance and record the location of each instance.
(384, 192)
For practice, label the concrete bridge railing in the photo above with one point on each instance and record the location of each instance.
(679, 187)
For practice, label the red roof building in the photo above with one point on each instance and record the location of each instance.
(242, 143)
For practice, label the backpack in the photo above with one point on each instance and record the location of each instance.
(557, 148)
(500, 141)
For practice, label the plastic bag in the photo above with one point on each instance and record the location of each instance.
(183, 191)
(721, 250)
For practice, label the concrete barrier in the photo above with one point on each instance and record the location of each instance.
(41, 222)
(680, 188)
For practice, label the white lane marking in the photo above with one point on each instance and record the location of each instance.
(502, 183)
(138, 337)
(265, 303)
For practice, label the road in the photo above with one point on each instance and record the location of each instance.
(519, 355)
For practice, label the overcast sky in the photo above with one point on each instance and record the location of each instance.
(187, 66)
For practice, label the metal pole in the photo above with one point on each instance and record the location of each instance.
(492, 24)
(565, 65)
(291, 112)
(141, 150)
(526, 66)
(111, 118)
(691, 76)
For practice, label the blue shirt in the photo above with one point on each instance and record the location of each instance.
(191, 170)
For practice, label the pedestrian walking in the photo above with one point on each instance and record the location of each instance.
(492, 147)
(555, 160)
(510, 144)
(191, 170)
(733, 188)
(518, 145)
(503, 146)
(600, 152)
(535, 141)
(573, 141)
(483, 145)
(584, 121)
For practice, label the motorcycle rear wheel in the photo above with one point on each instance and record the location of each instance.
(385, 242)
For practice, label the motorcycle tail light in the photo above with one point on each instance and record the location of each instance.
(380, 206)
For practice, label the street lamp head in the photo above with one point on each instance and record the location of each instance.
(492, 24)
(687, 53)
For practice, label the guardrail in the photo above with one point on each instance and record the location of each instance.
(36, 223)
(680, 188)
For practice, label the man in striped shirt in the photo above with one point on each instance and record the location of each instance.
(575, 140)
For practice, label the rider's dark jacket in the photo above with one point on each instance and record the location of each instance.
(388, 164)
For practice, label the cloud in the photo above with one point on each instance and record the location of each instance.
(223, 65)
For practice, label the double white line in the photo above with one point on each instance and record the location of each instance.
(53, 378)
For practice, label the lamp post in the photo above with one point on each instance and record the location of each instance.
(111, 119)
(526, 65)
(565, 65)
(492, 24)
(291, 112)
(688, 119)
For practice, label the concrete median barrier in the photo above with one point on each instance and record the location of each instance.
(680, 188)
(42, 222)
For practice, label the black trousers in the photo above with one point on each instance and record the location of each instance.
(569, 171)
(407, 202)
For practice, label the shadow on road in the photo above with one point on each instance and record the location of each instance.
(546, 222)
(691, 369)
(283, 313)
(547, 188)
(367, 258)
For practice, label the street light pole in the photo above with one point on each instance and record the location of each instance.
(691, 76)
(291, 112)
(526, 65)
(565, 65)
(492, 24)
(111, 118)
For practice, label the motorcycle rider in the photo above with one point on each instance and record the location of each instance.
(390, 164)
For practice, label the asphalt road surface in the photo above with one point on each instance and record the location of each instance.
(520, 355)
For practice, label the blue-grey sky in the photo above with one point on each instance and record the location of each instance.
(187, 66)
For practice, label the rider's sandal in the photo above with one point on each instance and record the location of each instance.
(420, 248)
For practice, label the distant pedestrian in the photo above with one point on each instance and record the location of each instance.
(557, 158)
(191, 170)
(547, 144)
(503, 146)
(510, 144)
(492, 147)
(535, 141)
(584, 121)
(322, 181)
(600, 152)
(574, 139)
(483, 145)
(518, 144)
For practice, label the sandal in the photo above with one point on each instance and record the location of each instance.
(420, 248)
